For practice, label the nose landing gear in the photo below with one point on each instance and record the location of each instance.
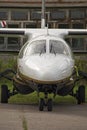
(50, 105)
(46, 102)
(41, 104)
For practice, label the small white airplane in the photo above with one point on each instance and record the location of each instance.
(45, 64)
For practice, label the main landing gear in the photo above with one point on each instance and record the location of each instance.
(45, 103)
(80, 94)
(6, 94)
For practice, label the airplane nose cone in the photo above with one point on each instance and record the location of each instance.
(48, 68)
(56, 71)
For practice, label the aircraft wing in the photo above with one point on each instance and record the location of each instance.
(70, 32)
(11, 31)
(17, 32)
(22, 31)
(39, 31)
(77, 32)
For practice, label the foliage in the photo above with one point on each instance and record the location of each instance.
(81, 64)
(11, 63)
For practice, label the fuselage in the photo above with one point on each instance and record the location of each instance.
(45, 59)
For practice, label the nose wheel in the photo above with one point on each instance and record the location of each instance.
(49, 105)
(45, 102)
(41, 104)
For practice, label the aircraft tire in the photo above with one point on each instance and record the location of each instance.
(4, 94)
(81, 94)
(41, 104)
(49, 105)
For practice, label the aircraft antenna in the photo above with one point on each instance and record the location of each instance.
(43, 14)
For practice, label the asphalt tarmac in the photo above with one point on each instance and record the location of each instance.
(28, 117)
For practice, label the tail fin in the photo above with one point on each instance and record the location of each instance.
(43, 14)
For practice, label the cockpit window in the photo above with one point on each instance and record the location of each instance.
(58, 47)
(21, 53)
(37, 47)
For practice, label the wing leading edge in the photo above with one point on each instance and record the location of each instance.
(7, 31)
(77, 32)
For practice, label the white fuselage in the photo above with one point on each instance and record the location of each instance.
(46, 59)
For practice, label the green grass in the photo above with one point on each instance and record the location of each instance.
(24, 99)
(24, 123)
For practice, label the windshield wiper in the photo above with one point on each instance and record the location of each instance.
(43, 50)
(52, 49)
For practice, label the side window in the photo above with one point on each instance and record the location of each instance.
(21, 53)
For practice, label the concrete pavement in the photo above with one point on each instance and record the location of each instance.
(27, 117)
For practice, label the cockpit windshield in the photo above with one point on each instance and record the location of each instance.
(58, 47)
(45, 46)
(37, 47)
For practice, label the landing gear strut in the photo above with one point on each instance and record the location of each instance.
(45, 102)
